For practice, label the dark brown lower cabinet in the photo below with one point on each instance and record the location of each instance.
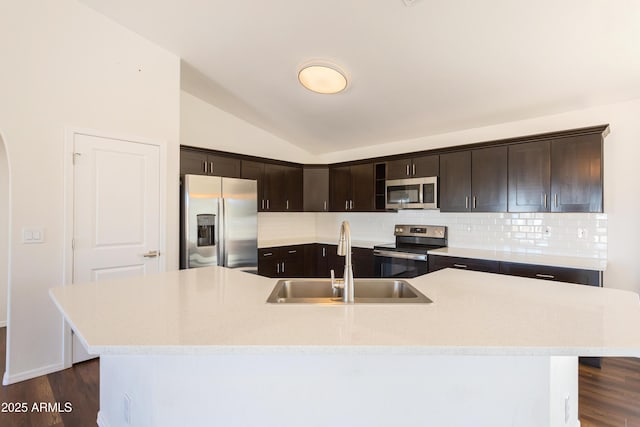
(312, 260)
(363, 263)
(438, 262)
(544, 272)
(282, 261)
(557, 274)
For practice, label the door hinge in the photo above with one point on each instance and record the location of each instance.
(75, 156)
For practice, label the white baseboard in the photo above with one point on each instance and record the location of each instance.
(27, 375)
(102, 421)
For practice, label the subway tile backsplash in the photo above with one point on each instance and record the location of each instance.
(567, 234)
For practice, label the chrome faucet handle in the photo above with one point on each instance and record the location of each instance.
(336, 283)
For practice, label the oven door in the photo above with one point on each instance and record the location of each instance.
(399, 264)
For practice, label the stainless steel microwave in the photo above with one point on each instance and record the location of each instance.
(412, 193)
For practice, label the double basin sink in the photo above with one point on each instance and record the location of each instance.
(321, 291)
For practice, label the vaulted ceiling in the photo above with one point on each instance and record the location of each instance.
(415, 68)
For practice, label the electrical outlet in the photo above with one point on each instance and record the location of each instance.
(127, 408)
(582, 233)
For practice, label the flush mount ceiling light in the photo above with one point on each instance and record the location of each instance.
(322, 79)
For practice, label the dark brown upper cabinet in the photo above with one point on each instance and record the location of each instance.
(352, 188)
(576, 174)
(199, 163)
(279, 186)
(489, 179)
(315, 189)
(530, 177)
(282, 188)
(563, 175)
(413, 167)
(455, 182)
(474, 181)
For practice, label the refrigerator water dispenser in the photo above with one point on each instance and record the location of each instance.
(206, 229)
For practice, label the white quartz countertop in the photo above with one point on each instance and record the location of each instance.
(215, 309)
(525, 258)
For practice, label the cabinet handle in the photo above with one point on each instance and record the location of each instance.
(545, 276)
(267, 204)
(287, 205)
(346, 205)
(407, 169)
(325, 205)
(544, 200)
(413, 166)
(474, 202)
(293, 251)
(556, 199)
(283, 266)
(210, 167)
(324, 252)
(267, 254)
(351, 204)
(466, 202)
(278, 268)
(459, 266)
(204, 166)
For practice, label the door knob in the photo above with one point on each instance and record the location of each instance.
(151, 254)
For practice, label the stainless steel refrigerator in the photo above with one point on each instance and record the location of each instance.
(219, 222)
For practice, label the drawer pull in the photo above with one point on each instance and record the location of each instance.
(293, 252)
(267, 254)
(459, 266)
(545, 276)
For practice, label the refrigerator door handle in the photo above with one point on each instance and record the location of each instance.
(221, 226)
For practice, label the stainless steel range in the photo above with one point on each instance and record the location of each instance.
(407, 257)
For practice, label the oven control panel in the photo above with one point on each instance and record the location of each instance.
(434, 231)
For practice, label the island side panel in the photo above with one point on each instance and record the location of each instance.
(345, 389)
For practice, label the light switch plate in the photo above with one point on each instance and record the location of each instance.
(33, 235)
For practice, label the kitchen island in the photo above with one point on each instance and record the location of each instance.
(202, 347)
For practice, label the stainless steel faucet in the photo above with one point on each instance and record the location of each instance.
(344, 249)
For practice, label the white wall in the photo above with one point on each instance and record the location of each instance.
(4, 232)
(65, 65)
(204, 125)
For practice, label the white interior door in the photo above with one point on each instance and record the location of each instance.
(116, 212)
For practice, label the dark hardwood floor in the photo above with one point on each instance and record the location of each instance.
(609, 397)
(78, 386)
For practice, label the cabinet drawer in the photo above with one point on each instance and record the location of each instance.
(558, 274)
(438, 262)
